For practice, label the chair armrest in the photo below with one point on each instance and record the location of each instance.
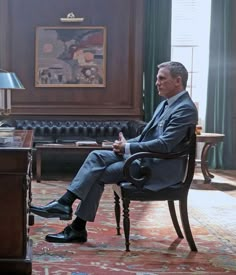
(145, 171)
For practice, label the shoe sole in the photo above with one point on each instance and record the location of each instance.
(79, 240)
(44, 214)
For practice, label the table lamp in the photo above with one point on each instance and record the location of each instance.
(8, 81)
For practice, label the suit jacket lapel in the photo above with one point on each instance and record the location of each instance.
(157, 114)
(167, 112)
(154, 119)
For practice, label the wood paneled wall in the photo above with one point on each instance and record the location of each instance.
(123, 19)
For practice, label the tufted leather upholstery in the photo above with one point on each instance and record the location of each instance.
(64, 131)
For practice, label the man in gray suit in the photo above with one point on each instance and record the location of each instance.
(166, 132)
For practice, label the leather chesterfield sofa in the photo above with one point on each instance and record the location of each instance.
(69, 131)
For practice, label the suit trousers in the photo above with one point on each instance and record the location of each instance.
(99, 168)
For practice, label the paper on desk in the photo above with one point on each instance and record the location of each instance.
(86, 143)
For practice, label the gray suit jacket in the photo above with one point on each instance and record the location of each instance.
(166, 133)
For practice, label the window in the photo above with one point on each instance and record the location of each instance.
(190, 46)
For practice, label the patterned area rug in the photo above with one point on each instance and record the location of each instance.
(155, 248)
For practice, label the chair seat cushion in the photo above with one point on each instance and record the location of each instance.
(130, 191)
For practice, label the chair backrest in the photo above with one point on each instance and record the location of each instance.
(190, 162)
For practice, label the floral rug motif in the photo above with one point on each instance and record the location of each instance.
(155, 248)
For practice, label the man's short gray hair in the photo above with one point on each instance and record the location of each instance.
(176, 69)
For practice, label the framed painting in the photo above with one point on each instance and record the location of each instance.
(70, 57)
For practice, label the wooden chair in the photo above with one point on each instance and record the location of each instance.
(132, 191)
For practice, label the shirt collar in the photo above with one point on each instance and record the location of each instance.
(172, 99)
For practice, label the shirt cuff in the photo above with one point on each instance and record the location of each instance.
(127, 150)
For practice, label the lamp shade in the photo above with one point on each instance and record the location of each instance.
(10, 81)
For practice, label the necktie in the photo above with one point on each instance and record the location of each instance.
(165, 105)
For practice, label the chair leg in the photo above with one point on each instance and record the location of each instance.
(175, 222)
(117, 212)
(186, 226)
(126, 222)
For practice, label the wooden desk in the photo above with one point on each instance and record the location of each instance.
(15, 197)
(209, 140)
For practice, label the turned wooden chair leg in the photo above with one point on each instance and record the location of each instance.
(175, 222)
(126, 222)
(117, 212)
(186, 226)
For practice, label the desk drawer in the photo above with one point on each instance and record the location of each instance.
(13, 162)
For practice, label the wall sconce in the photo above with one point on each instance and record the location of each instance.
(71, 18)
(8, 81)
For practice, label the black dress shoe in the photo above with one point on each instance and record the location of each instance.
(53, 209)
(68, 235)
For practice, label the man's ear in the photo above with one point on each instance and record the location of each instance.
(179, 80)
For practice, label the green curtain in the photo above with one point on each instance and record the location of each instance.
(221, 85)
(157, 49)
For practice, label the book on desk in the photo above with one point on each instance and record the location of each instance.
(105, 144)
(86, 143)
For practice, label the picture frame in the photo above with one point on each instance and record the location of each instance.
(70, 57)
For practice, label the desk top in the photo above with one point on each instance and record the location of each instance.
(52, 146)
(68, 147)
(22, 140)
(81, 145)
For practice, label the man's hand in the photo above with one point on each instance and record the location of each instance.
(121, 137)
(119, 145)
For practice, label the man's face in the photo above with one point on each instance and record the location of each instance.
(167, 85)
